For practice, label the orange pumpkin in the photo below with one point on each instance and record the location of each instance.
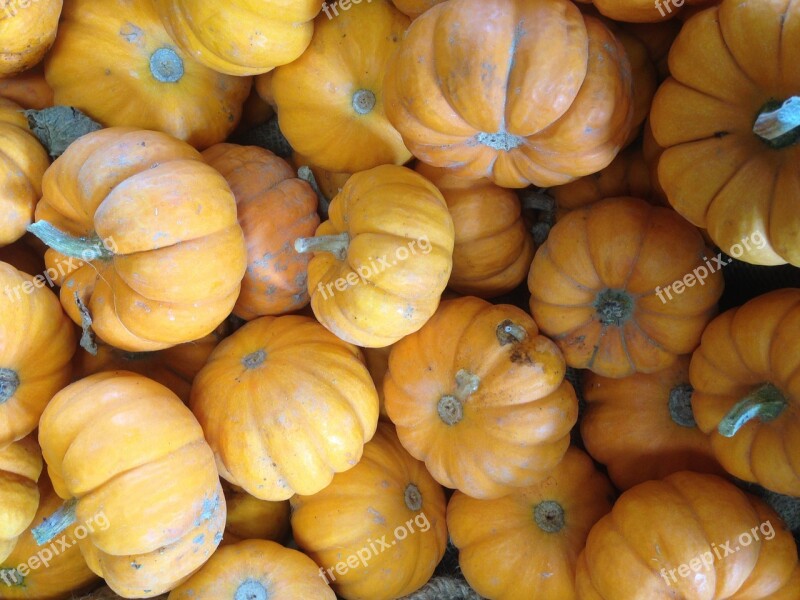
(250, 518)
(28, 89)
(658, 39)
(644, 11)
(377, 361)
(20, 467)
(515, 91)
(480, 396)
(27, 30)
(414, 8)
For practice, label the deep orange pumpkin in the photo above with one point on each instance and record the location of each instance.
(28, 89)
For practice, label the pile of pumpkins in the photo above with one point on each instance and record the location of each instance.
(290, 293)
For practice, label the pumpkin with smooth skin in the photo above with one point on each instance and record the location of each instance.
(250, 518)
(729, 121)
(126, 448)
(285, 405)
(515, 91)
(114, 61)
(27, 30)
(684, 537)
(746, 396)
(641, 427)
(20, 467)
(524, 546)
(246, 38)
(28, 89)
(384, 520)
(160, 226)
(274, 208)
(618, 286)
(341, 125)
(480, 396)
(382, 259)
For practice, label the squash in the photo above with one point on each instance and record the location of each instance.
(124, 447)
(377, 361)
(515, 91)
(20, 467)
(377, 531)
(27, 30)
(524, 546)
(729, 123)
(114, 61)
(260, 398)
(250, 518)
(330, 101)
(245, 37)
(690, 535)
(479, 396)
(383, 259)
(414, 8)
(28, 89)
(274, 208)
(746, 390)
(167, 254)
(645, 11)
(615, 286)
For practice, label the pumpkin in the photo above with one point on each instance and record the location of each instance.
(159, 225)
(20, 467)
(382, 260)
(480, 396)
(28, 89)
(615, 285)
(414, 8)
(645, 11)
(250, 518)
(37, 342)
(27, 30)
(690, 535)
(260, 398)
(493, 248)
(377, 531)
(746, 392)
(23, 257)
(658, 39)
(23, 162)
(126, 449)
(246, 38)
(255, 112)
(524, 546)
(377, 361)
(514, 91)
(255, 569)
(328, 182)
(114, 61)
(660, 439)
(274, 208)
(349, 54)
(729, 123)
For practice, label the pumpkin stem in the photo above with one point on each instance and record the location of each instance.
(55, 523)
(413, 497)
(549, 516)
(451, 406)
(335, 244)
(766, 403)
(539, 200)
(254, 359)
(363, 102)
(508, 332)
(58, 126)
(307, 175)
(85, 248)
(614, 307)
(9, 382)
(250, 589)
(777, 123)
(87, 335)
(166, 65)
(502, 140)
(680, 405)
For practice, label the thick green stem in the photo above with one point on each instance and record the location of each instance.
(55, 523)
(84, 248)
(9, 382)
(335, 244)
(765, 403)
(307, 175)
(777, 123)
(549, 516)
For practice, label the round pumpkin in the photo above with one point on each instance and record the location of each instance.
(274, 208)
(28, 89)
(377, 531)
(250, 518)
(330, 101)
(27, 30)
(159, 225)
(126, 449)
(114, 61)
(383, 259)
(524, 546)
(728, 119)
(515, 91)
(271, 412)
(746, 394)
(480, 396)
(20, 467)
(615, 285)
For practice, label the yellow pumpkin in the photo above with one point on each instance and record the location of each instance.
(20, 467)
(27, 30)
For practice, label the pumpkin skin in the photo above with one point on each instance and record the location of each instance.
(546, 524)
(247, 38)
(28, 89)
(377, 361)
(658, 39)
(385, 492)
(257, 381)
(704, 115)
(173, 253)
(349, 52)
(414, 8)
(164, 462)
(113, 58)
(37, 342)
(27, 32)
(644, 11)
(657, 526)
(255, 569)
(274, 208)
(569, 109)
(380, 217)
(250, 518)
(609, 305)
(20, 467)
(481, 379)
(751, 352)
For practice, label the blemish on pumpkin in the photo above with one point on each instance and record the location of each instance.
(9, 382)
(131, 32)
(136, 565)
(199, 539)
(210, 507)
(377, 517)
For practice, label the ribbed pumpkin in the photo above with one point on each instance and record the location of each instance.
(271, 412)
(480, 396)
(747, 393)
(126, 448)
(114, 61)
(20, 467)
(27, 30)
(524, 546)
(250, 518)
(28, 89)
(160, 224)
(377, 531)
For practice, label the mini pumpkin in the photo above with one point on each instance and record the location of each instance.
(20, 467)
(414, 8)
(27, 30)
(645, 11)
(250, 518)
(377, 361)
(28, 89)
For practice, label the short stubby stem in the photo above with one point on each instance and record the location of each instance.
(9, 382)
(508, 332)
(250, 589)
(500, 141)
(363, 102)
(779, 126)
(614, 307)
(451, 406)
(412, 497)
(765, 403)
(87, 248)
(549, 516)
(680, 405)
(166, 66)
